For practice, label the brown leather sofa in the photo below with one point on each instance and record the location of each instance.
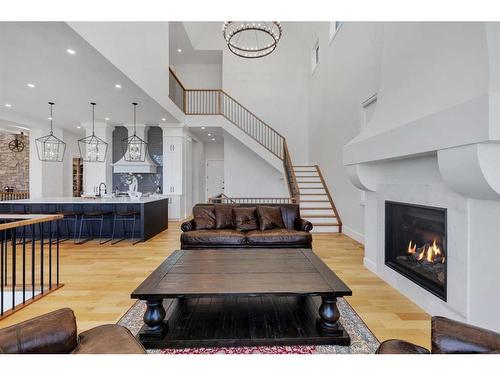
(218, 227)
(56, 333)
(448, 337)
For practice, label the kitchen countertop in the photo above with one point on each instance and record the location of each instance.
(78, 200)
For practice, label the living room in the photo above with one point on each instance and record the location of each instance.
(326, 184)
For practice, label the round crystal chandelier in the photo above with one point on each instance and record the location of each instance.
(92, 148)
(252, 40)
(135, 147)
(49, 147)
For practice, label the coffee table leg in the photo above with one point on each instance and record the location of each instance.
(155, 327)
(329, 315)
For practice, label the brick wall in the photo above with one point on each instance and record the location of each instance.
(14, 166)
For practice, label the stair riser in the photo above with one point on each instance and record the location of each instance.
(305, 198)
(325, 230)
(304, 204)
(314, 220)
(308, 180)
(313, 191)
(316, 212)
(312, 185)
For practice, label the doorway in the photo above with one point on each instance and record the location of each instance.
(215, 177)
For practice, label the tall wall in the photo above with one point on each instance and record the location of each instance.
(199, 76)
(14, 169)
(346, 76)
(274, 88)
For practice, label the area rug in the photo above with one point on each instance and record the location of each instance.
(363, 341)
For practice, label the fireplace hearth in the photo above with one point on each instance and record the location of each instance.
(415, 244)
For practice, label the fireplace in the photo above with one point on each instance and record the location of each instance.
(415, 244)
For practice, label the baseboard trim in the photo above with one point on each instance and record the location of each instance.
(370, 265)
(356, 236)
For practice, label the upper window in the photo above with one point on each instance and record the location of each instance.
(334, 27)
(315, 56)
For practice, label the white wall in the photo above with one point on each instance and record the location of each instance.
(248, 175)
(199, 76)
(275, 89)
(346, 76)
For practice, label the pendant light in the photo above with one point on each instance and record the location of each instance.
(92, 148)
(135, 148)
(49, 147)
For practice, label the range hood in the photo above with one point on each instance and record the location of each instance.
(146, 166)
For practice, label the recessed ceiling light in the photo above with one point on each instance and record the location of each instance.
(179, 50)
(202, 128)
(30, 85)
(209, 134)
(118, 86)
(213, 139)
(106, 118)
(71, 51)
(78, 127)
(49, 118)
(8, 105)
(164, 119)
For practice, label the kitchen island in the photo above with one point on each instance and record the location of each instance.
(152, 213)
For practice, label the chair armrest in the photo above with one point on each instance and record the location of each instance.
(400, 347)
(50, 333)
(450, 336)
(303, 225)
(187, 225)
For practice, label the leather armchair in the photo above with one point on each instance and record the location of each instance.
(448, 337)
(56, 333)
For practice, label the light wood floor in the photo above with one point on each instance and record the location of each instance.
(99, 279)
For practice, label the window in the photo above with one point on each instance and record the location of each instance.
(315, 56)
(334, 28)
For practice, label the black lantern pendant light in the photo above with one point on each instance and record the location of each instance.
(92, 148)
(49, 147)
(135, 148)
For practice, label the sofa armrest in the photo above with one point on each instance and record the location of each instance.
(303, 225)
(400, 347)
(450, 336)
(50, 333)
(187, 225)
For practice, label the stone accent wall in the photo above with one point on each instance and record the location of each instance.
(14, 166)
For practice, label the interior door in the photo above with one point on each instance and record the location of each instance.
(215, 178)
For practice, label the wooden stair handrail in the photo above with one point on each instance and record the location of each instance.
(329, 197)
(23, 220)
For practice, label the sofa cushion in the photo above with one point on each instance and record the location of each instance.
(204, 217)
(108, 339)
(224, 216)
(245, 218)
(279, 237)
(270, 217)
(213, 237)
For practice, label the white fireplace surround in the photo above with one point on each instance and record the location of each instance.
(434, 139)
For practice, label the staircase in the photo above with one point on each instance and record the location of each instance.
(316, 203)
(306, 185)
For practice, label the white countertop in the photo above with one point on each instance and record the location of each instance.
(75, 200)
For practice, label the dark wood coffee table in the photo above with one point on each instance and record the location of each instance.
(235, 297)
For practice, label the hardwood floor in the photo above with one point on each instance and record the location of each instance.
(99, 279)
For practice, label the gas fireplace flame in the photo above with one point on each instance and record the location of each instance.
(430, 253)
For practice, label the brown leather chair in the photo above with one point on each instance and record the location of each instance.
(56, 333)
(295, 233)
(448, 337)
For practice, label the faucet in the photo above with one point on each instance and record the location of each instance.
(99, 190)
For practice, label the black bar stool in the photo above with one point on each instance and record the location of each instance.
(128, 215)
(89, 217)
(71, 214)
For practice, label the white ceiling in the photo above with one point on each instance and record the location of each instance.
(35, 52)
(178, 39)
(203, 134)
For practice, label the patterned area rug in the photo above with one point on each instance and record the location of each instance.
(363, 341)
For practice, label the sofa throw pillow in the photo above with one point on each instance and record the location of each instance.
(204, 217)
(270, 217)
(245, 218)
(224, 216)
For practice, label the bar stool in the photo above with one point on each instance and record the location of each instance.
(70, 214)
(90, 217)
(129, 215)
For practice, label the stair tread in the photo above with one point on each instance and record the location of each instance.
(312, 188)
(316, 208)
(315, 201)
(310, 182)
(314, 194)
(319, 216)
(326, 224)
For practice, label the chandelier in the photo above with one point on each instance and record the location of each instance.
(251, 40)
(135, 147)
(49, 147)
(92, 148)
